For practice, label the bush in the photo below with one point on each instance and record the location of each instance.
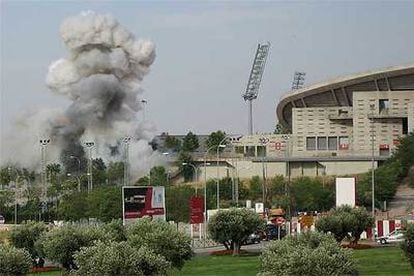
(231, 227)
(119, 258)
(60, 244)
(14, 261)
(310, 253)
(408, 244)
(25, 236)
(162, 238)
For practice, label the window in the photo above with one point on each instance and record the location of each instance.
(239, 149)
(404, 125)
(322, 143)
(384, 104)
(261, 151)
(343, 142)
(332, 143)
(310, 143)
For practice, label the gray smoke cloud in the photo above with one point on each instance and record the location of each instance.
(101, 77)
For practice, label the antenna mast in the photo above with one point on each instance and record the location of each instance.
(255, 79)
(298, 80)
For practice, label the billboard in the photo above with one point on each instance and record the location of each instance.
(138, 202)
(345, 191)
(196, 210)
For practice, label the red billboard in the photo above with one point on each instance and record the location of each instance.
(139, 202)
(196, 210)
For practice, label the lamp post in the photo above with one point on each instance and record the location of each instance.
(218, 170)
(237, 183)
(126, 141)
(144, 102)
(79, 170)
(372, 107)
(90, 145)
(195, 173)
(205, 190)
(263, 142)
(43, 146)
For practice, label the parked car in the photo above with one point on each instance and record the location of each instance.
(393, 237)
(1, 219)
(252, 239)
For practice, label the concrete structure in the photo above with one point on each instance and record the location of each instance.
(337, 128)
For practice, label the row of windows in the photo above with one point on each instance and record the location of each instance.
(327, 143)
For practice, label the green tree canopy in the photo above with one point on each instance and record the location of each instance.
(173, 143)
(215, 138)
(177, 202)
(190, 142)
(231, 227)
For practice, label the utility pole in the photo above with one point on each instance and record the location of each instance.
(126, 141)
(43, 146)
(90, 145)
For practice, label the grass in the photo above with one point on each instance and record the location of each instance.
(382, 261)
(375, 261)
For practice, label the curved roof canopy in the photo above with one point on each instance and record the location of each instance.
(338, 92)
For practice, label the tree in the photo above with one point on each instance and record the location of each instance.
(280, 129)
(99, 172)
(344, 220)
(310, 253)
(256, 188)
(60, 244)
(74, 206)
(162, 238)
(115, 173)
(408, 244)
(310, 195)
(159, 177)
(173, 143)
(215, 138)
(14, 261)
(26, 235)
(178, 203)
(104, 203)
(190, 142)
(405, 153)
(119, 258)
(187, 170)
(231, 227)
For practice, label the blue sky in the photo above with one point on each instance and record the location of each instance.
(205, 51)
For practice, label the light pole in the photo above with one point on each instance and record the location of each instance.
(218, 170)
(372, 107)
(144, 102)
(79, 170)
(90, 145)
(195, 173)
(43, 146)
(263, 142)
(126, 141)
(237, 183)
(205, 191)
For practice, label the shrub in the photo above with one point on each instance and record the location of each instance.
(310, 253)
(408, 244)
(25, 236)
(344, 220)
(60, 244)
(14, 261)
(162, 238)
(232, 226)
(119, 258)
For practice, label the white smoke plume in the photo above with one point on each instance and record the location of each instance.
(101, 77)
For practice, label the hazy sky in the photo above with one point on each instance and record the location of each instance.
(205, 51)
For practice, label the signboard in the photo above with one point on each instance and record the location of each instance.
(138, 202)
(306, 221)
(259, 207)
(345, 191)
(196, 210)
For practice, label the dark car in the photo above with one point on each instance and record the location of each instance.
(252, 239)
(272, 232)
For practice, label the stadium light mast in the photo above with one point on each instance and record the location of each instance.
(255, 79)
(298, 80)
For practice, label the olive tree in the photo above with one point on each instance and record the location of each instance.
(162, 238)
(408, 244)
(14, 261)
(345, 221)
(60, 244)
(231, 227)
(119, 258)
(25, 236)
(310, 253)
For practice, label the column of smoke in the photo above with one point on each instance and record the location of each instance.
(101, 77)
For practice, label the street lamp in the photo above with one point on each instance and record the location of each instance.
(126, 141)
(144, 102)
(195, 173)
(90, 145)
(43, 146)
(79, 170)
(372, 107)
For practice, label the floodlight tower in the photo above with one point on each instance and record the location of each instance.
(255, 79)
(298, 80)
